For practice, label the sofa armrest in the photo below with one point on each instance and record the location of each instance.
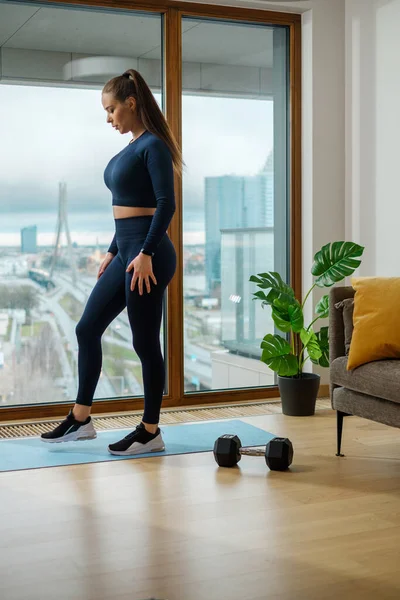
(336, 327)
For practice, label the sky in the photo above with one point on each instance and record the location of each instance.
(52, 134)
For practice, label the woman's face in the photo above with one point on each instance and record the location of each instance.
(119, 114)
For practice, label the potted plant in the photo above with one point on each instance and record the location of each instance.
(287, 356)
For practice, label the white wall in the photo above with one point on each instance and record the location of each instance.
(323, 108)
(373, 132)
(351, 132)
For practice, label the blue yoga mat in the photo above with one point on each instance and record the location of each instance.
(31, 453)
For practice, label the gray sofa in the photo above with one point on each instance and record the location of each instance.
(371, 391)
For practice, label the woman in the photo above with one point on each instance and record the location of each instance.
(138, 266)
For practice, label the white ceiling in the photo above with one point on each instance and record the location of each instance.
(232, 44)
(112, 33)
(290, 6)
(78, 31)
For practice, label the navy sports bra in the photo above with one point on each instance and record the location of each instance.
(142, 175)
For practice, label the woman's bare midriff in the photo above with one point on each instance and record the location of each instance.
(124, 212)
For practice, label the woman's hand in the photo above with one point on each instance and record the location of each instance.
(105, 264)
(142, 272)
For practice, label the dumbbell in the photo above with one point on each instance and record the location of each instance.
(278, 452)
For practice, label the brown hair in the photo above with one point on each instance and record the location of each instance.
(132, 84)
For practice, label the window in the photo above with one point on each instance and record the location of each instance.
(237, 200)
(56, 220)
(235, 195)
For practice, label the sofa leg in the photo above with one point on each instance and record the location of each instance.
(339, 422)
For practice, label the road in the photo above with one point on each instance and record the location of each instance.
(68, 375)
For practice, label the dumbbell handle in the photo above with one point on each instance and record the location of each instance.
(253, 451)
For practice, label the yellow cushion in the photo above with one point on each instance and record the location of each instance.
(376, 319)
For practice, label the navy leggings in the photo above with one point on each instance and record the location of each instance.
(109, 297)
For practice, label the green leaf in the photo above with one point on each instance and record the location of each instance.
(275, 345)
(296, 317)
(278, 289)
(277, 355)
(260, 296)
(313, 349)
(281, 319)
(323, 341)
(287, 316)
(322, 308)
(305, 336)
(336, 261)
(310, 342)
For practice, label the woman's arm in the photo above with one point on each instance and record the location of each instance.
(158, 161)
(113, 246)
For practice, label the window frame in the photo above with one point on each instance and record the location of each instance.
(173, 13)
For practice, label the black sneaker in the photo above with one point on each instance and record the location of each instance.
(71, 430)
(138, 441)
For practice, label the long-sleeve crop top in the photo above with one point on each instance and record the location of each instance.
(142, 175)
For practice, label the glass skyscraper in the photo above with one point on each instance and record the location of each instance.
(235, 202)
(29, 240)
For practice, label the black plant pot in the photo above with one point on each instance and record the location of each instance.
(299, 394)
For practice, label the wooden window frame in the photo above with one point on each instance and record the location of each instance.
(173, 13)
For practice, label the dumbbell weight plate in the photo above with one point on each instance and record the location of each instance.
(227, 450)
(279, 454)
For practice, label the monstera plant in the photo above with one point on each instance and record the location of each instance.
(286, 356)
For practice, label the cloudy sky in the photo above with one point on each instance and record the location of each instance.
(51, 134)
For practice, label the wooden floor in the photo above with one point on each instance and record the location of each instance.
(179, 528)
